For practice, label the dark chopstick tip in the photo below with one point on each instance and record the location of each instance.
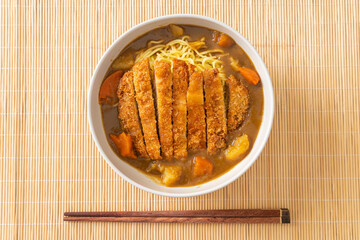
(285, 215)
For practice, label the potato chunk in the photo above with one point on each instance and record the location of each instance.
(170, 174)
(239, 147)
(175, 30)
(124, 62)
(201, 167)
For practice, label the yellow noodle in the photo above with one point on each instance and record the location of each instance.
(154, 42)
(184, 50)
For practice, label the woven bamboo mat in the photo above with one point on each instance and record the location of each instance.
(50, 164)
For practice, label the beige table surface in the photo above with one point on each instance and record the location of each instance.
(50, 164)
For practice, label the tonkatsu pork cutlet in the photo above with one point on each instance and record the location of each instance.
(196, 113)
(145, 102)
(128, 113)
(215, 111)
(163, 84)
(180, 85)
(238, 103)
(191, 69)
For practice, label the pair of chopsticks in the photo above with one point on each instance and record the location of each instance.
(194, 216)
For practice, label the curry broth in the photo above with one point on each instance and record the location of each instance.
(250, 126)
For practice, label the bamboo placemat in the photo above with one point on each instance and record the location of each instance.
(50, 164)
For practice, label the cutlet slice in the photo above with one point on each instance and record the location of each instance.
(238, 103)
(191, 68)
(163, 84)
(128, 113)
(180, 85)
(196, 112)
(145, 103)
(215, 111)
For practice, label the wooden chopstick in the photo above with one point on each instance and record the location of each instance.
(178, 219)
(193, 216)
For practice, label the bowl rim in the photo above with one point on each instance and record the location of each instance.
(271, 106)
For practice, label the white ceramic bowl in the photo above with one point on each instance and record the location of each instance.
(131, 174)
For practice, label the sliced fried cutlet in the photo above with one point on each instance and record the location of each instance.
(215, 111)
(196, 112)
(128, 113)
(163, 83)
(180, 86)
(191, 68)
(238, 103)
(145, 103)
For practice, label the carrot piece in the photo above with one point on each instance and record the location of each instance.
(124, 143)
(249, 74)
(225, 41)
(202, 166)
(108, 89)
